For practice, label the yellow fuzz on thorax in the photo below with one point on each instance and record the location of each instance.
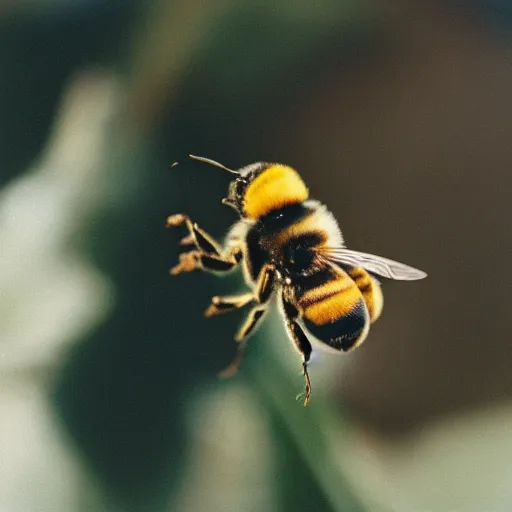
(275, 187)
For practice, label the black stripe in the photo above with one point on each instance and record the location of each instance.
(321, 276)
(281, 218)
(299, 253)
(365, 288)
(343, 332)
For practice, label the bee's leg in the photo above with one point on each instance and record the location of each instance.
(211, 262)
(263, 293)
(304, 346)
(255, 316)
(225, 304)
(265, 284)
(207, 255)
(301, 342)
(253, 319)
(203, 242)
(187, 240)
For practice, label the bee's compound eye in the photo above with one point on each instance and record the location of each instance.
(240, 186)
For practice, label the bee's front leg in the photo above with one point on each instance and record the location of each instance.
(210, 262)
(207, 255)
(202, 240)
(188, 261)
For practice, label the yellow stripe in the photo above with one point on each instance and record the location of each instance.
(377, 300)
(325, 290)
(275, 187)
(335, 307)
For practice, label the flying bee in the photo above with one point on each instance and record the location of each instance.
(290, 246)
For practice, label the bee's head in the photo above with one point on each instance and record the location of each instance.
(262, 187)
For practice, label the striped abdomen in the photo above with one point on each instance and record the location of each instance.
(333, 308)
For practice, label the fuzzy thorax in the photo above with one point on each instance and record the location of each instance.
(276, 187)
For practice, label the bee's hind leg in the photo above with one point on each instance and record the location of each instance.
(301, 342)
(304, 347)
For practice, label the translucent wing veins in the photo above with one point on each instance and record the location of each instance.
(375, 264)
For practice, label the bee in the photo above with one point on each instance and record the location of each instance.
(290, 246)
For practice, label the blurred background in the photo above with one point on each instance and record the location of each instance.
(397, 113)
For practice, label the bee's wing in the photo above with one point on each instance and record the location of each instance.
(375, 264)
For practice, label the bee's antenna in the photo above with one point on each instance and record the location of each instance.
(213, 162)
